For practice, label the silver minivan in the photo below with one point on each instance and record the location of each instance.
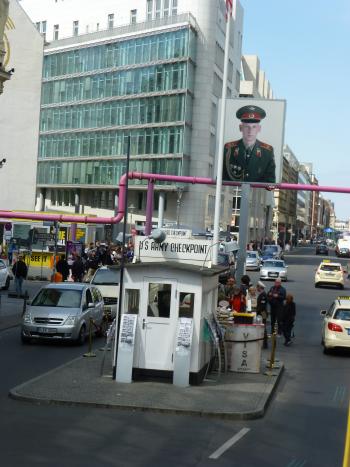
(63, 311)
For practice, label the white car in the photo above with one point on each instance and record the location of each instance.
(329, 273)
(253, 261)
(5, 275)
(336, 324)
(271, 269)
(107, 279)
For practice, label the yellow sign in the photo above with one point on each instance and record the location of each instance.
(39, 259)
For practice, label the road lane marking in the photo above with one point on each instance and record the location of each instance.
(339, 395)
(346, 460)
(229, 443)
(297, 463)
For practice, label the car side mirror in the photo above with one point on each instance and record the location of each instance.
(323, 312)
(286, 266)
(91, 305)
(29, 302)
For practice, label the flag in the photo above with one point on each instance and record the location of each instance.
(229, 8)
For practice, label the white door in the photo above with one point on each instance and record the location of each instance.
(158, 324)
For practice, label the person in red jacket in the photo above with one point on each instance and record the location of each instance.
(238, 300)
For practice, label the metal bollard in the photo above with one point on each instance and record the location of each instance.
(90, 353)
(272, 362)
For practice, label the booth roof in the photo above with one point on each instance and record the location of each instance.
(204, 271)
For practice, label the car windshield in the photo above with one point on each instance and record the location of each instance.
(274, 264)
(330, 267)
(251, 255)
(272, 248)
(106, 277)
(341, 314)
(61, 298)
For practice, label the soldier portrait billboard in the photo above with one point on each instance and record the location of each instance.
(253, 140)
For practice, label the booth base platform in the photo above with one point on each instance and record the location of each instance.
(78, 383)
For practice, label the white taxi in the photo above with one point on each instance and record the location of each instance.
(336, 324)
(329, 273)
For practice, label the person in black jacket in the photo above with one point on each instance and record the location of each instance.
(276, 296)
(20, 271)
(261, 307)
(288, 318)
(78, 269)
(62, 267)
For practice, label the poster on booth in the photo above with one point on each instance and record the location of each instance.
(253, 140)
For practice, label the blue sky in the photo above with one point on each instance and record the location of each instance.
(304, 49)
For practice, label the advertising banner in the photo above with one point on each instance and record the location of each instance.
(253, 140)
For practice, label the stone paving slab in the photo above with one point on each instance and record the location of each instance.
(234, 396)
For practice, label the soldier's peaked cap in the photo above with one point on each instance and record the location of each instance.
(250, 114)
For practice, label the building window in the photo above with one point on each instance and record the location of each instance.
(166, 8)
(41, 27)
(158, 8)
(174, 7)
(56, 30)
(111, 21)
(149, 10)
(75, 28)
(133, 14)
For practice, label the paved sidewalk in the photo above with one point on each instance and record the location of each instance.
(234, 396)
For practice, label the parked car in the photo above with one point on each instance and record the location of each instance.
(272, 251)
(322, 249)
(253, 261)
(107, 279)
(272, 269)
(63, 311)
(336, 325)
(5, 275)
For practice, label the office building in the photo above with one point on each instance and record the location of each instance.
(149, 69)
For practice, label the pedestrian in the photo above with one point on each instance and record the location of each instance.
(276, 296)
(20, 271)
(288, 318)
(261, 308)
(62, 267)
(77, 269)
(245, 284)
(251, 299)
(238, 300)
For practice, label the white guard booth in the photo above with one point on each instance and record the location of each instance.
(166, 283)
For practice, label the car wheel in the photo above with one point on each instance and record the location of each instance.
(326, 350)
(7, 285)
(25, 339)
(341, 286)
(82, 335)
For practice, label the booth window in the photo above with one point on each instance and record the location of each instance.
(159, 300)
(132, 297)
(186, 305)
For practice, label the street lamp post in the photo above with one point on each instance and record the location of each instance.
(180, 190)
(131, 210)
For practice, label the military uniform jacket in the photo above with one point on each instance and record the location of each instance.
(258, 166)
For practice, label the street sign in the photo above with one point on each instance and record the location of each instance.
(43, 237)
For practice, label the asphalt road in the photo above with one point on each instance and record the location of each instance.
(304, 426)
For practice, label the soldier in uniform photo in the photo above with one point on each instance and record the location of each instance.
(248, 159)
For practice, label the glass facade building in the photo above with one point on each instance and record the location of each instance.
(96, 95)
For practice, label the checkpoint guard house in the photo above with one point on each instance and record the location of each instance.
(165, 283)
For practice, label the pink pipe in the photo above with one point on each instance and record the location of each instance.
(159, 177)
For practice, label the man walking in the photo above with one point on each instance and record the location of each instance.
(20, 271)
(276, 297)
(261, 307)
